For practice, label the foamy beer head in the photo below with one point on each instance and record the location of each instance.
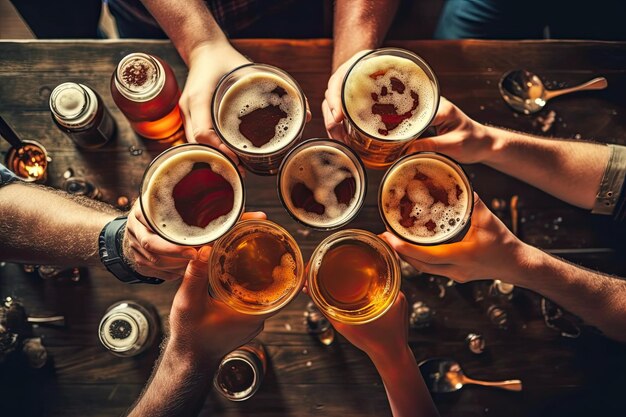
(258, 111)
(192, 194)
(322, 183)
(427, 199)
(353, 276)
(391, 94)
(256, 268)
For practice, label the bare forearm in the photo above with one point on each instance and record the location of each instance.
(598, 299)
(188, 23)
(569, 170)
(360, 24)
(46, 226)
(178, 386)
(407, 393)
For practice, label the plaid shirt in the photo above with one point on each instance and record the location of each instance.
(232, 15)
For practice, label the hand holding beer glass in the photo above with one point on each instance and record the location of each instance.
(488, 250)
(207, 64)
(259, 112)
(389, 97)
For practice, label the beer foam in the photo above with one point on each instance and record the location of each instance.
(137, 73)
(425, 208)
(284, 276)
(362, 84)
(321, 169)
(253, 92)
(160, 205)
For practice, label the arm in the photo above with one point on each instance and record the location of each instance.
(598, 298)
(208, 54)
(491, 251)
(569, 170)
(399, 371)
(385, 341)
(359, 25)
(41, 225)
(203, 330)
(45, 226)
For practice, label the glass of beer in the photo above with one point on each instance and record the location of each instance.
(259, 112)
(256, 268)
(322, 184)
(427, 199)
(353, 276)
(192, 194)
(389, 97)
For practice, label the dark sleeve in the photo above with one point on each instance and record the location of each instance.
(6, 176)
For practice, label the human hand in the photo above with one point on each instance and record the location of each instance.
(332, 110)
(458, 136)
(150, 254)
(204, 329)
(382, 338)
(488, 251)
(207, 64)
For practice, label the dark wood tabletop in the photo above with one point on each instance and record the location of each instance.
(562, 376)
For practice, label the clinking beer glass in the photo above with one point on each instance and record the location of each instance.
(389, 97)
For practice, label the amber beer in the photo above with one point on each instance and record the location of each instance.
(389, 97)
(427, 199)
(256, 268)
(145, 89)
(322, 184)
(353, 276)
(259, 112)
(241, 372)
(192, 194)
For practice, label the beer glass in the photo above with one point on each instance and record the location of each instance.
(353, 276)
(389, 97)
(192, 194)
(322, 184)
(427, 199)
(259, 112)
(256, 268)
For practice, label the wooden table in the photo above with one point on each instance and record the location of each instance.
(583, 376)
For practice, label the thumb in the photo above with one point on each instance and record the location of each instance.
(195, 282)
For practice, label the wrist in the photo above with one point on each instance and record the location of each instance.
(391, 358)
(189, 357)
(217, 52)
(527, 260)
(494, 144)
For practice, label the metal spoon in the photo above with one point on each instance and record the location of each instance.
(445, 375)
(525, 93)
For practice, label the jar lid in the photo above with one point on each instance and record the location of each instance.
(73, 105)
(139, 77)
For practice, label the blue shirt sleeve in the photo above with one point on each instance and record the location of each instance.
(6, 176)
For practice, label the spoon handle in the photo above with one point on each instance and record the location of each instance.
(9, 134)
(599, 83)
(510, 385)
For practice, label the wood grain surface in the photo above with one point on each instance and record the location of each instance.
(562, 377)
